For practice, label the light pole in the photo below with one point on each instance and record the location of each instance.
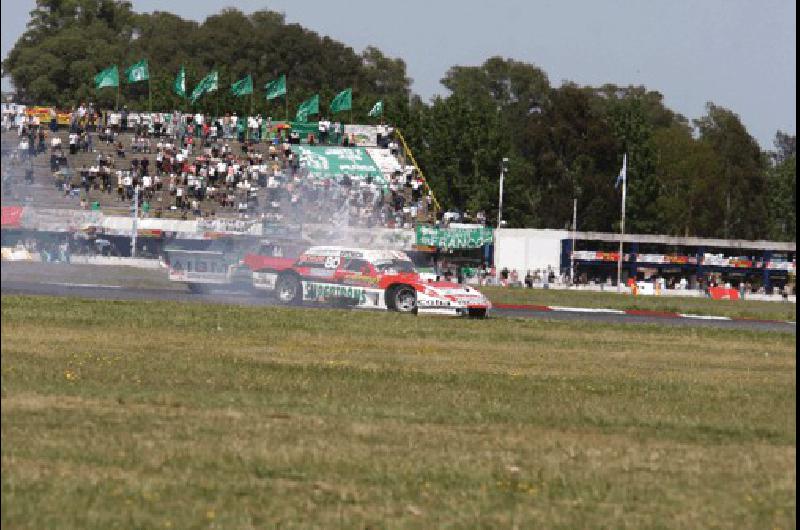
(135, 219)
(503, 169)
(572, 253)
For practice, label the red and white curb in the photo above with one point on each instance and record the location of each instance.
(632, 312)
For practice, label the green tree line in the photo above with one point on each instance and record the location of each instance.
(703, 177)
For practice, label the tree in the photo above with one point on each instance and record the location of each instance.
(744, 179)
(562, 142)
(68, 41)
(782, 188)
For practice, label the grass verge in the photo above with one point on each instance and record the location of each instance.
(182, 415)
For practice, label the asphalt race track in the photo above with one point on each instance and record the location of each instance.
(17, 279)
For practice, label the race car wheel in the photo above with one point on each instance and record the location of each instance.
(288, 289)
(404, 299)
(196, 288)
(476, 313)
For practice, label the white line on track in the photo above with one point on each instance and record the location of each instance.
(703, 317)
(587, 310)
(92, 285)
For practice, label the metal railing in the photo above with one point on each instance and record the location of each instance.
(410, 155)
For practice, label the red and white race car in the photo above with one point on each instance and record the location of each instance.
(363, 278)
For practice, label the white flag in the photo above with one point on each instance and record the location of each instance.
(623, 173)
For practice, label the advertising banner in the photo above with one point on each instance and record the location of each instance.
(385, 160)
(44, 115)
(12, 216)
(721, 293)
(666, 259)
(305, 128)
(331, 162)
(382, 238)
(789, 266)
(453, 238)
(364, 135)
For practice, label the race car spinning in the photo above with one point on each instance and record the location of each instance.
(377, 279)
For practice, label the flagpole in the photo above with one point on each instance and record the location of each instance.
(622, 224)
(219, 95)
(149, 91)
(251, 108)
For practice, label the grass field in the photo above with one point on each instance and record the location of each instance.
(700, 306)
(169, 415)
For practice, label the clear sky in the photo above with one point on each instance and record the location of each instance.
(738, 54)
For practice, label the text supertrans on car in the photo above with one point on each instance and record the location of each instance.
(364, 278)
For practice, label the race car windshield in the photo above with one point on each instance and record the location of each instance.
(395, 265)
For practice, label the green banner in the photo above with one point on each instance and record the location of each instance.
(180, 83)
(333, 162)
(208, 84)
(108, 77)
(432, 236)
(138, 72)
(243, 86)
(308, 108)
(304, 128)
(342, 101)
(377, 109)
(276, 88)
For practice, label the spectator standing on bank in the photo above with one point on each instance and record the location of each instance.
(124, 119)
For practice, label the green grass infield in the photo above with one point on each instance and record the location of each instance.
(183, 415)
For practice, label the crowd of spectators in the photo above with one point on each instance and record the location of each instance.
(198, 166)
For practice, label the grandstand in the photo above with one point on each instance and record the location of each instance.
(366, 178)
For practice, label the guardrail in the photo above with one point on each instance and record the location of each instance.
(410, 155)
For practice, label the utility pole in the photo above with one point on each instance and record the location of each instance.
(135, 219)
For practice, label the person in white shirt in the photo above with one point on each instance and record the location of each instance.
(73, 143)
(324, 124)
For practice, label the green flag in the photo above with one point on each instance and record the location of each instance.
(377, 109)
(108, 77)
(276, 88)
(342, 101)
(138, 72)
(208, 84)
(180, 83)
(243, 86)
(307, 108)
